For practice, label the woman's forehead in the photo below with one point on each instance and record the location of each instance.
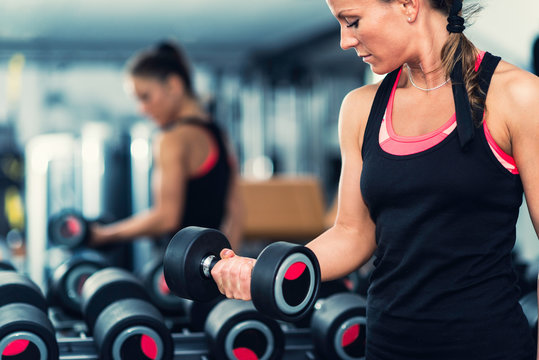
(338, 6)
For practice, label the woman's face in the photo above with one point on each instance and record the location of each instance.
(157, 99)
(376, 30)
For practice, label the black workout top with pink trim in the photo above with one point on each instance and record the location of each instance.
(443, 287)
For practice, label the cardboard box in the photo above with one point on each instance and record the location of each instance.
(283, 208)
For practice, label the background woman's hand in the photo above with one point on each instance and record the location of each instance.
(232, 274)
(97, 235)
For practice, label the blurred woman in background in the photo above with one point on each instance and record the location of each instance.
(194, 175)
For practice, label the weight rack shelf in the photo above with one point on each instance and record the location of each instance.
(189, 346)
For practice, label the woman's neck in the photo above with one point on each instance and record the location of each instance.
(190, 108)
(425, 67)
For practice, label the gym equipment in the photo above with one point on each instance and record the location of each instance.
(124, 324)
(6, 265)
(65, 285)
(327, 288)
(194, 312)
(68, 228)
(192, 346)
(70, 231)
(153, 279)
(236, 330)
(338, 327)
(25, 330)
(197, 312)
(284, 282)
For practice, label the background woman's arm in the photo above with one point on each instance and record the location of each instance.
(169, 177)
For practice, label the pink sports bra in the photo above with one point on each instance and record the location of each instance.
(394, 144)
(209, 162)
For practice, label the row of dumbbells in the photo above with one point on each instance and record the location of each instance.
(125, 325)
(112, 299)
(285, 280)
(234, 329)
(291, 299)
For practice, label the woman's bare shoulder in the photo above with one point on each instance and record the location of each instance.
(518, 87)
(356, 106)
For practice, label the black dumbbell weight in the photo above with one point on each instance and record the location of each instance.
(153, 279)
(124, 324)
(236, 330)
(338, 327)
(6, 265)
(327, 288)
(194, 313)
(25, 330)
(284, 281)
(68, 228)
(65, 285)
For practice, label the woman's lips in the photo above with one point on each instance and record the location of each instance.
(365, 58)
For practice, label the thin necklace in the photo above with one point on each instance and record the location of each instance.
(421, 88)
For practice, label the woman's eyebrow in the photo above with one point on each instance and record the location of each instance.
(341, 14)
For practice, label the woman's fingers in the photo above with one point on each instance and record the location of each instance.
(232, 274)
(226, 253)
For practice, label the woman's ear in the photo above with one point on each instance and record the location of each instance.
(409, 8)
(175, 84)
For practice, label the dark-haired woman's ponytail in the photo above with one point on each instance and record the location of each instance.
(161, 61)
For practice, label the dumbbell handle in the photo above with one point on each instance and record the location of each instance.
(207, 265)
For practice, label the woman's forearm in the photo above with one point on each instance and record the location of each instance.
(148, 223)
(340, 251)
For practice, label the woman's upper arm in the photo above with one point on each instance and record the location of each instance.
(171, 177)
(352, 236)
(524, 128)
(352, 211)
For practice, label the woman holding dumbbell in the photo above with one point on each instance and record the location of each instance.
(435, 161)
(194, 176)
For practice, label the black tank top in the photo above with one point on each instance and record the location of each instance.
(443, 286)
(205, 200)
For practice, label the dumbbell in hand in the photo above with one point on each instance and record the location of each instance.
(68, 228)
(192, 313)
(284, 280)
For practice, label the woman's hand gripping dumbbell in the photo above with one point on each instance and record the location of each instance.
(282, 282)
(70, 229)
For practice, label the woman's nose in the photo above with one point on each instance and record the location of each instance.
(348, 38)
(143, 108)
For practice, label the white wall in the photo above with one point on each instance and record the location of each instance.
(507, 29)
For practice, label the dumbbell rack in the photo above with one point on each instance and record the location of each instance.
(74, 344)
(187, 346)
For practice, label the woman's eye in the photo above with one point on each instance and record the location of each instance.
(353, 24)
